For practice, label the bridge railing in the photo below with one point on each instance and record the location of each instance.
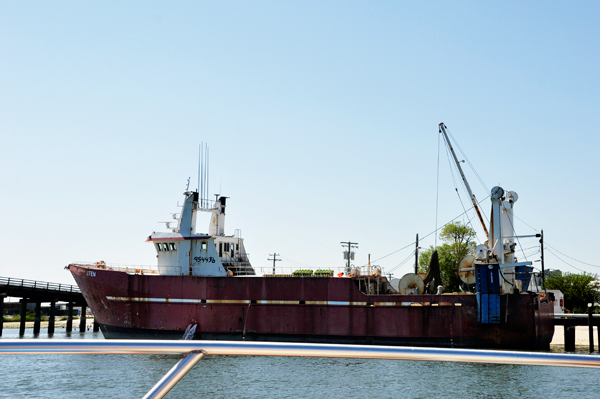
(42, 285)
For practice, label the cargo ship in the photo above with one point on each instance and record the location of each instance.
(204, 287)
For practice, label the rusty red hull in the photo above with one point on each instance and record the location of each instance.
(312, 309)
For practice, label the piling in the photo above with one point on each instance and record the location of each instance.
(591, 326)
(37, 321)
(96, 325)
(82, 319)
(569, 338)
(23, 317)
(70, 317)
(51, 318)
(1, 313)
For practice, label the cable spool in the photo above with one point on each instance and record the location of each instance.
(466, 269)
(411, 284)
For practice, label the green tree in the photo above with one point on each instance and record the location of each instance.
(458, 242)
(578, 289)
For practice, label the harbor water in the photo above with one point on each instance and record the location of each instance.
(132, 376)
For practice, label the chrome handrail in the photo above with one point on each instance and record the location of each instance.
(196, 349)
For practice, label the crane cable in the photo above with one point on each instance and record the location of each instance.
(437, 190)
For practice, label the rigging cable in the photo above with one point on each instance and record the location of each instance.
(448, 149)
(437, 191)
(467, 159)
(515, 233)
(469, 219)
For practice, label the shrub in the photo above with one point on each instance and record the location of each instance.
(323, 273)
(303, 273)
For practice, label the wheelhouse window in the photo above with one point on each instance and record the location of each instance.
(165, 246)
(159, 247)
(172, 246)
(203, 245)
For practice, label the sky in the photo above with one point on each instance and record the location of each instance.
(322, 122)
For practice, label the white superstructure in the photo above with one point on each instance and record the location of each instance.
(186, 252)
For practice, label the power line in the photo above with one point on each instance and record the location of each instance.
(402, 263)
(433, 232)
(585, 263)
(545, 242)
(562, 260)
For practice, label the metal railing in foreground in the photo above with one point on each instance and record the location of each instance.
(195, 350)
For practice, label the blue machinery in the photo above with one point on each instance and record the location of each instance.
(488, 290)
(193, 351)
(488, 293)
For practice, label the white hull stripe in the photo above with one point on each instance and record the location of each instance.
(270, 302)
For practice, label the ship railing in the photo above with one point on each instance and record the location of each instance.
(282, 271)
(240, 258)
(137, 269)
(206, 204)
(193, 351)
(42, 285)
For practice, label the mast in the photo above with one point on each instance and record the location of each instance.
(462, 175)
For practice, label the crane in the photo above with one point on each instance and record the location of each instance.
(462, 175)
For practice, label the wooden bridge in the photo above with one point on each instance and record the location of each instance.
(569, 321)
(31, 291)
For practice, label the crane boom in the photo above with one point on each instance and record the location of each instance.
(464, 179)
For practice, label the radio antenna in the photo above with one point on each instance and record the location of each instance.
(203, 154)
(199, 163)
(207, 175)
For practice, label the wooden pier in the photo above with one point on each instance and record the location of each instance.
(38, 292)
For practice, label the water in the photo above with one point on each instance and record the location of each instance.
(132, 376)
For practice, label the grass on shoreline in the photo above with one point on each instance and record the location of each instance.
(31, 317)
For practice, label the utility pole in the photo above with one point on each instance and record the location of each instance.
(274, 255)
(417, 255)
(348, 254)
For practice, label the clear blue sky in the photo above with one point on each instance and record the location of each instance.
(321, 119)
